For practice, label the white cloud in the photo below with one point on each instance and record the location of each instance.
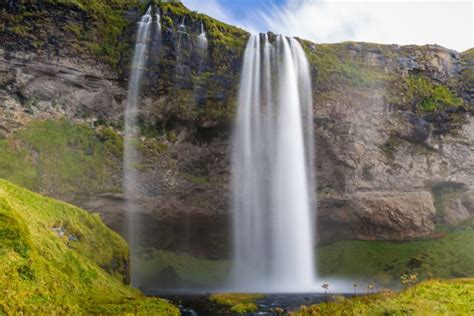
(447, 23)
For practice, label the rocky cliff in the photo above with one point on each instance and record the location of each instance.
(393, 125)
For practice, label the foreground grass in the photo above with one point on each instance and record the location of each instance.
(433, 297)
(58, 259)
(239, 303)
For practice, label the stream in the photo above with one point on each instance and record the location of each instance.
(200, 305)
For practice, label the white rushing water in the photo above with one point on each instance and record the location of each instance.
(158, 27)
(182, 26)
(273, 170)
(131, 130)
(202, 40)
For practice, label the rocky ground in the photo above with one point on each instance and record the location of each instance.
(394, 132)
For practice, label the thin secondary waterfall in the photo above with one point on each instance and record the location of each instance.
(273, 174)
(202, 40)
(131, 131)
(158, 27)
(202, 49)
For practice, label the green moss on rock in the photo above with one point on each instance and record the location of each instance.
(60, 158)
(238, 303)
(341, 64)
(426, 96)
(82, 26)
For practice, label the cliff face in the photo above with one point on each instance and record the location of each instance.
(393, 125)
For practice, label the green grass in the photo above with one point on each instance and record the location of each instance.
(58, 259)
(188, 268)
(60, 158)
(381, 262)
(384, 262)
(239, 303)
(336, 65)
(430, 298)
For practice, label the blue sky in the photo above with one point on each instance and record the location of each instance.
(448, 23)
(244, 7)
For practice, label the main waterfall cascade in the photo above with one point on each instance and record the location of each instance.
(131, 131)
(273, 174)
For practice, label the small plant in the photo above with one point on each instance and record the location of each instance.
(304, 309)
(355, 288)
(409, 281)
(370, 288)
(325, 286)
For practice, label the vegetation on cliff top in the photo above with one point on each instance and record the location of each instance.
(433, 297)
(58, 259)
(343, 64)
(98, 26)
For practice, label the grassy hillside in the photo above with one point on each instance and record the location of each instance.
(62, 159)
(384, 262)
(433, 297)
(56, 258)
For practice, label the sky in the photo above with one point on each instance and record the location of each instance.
(448, 23)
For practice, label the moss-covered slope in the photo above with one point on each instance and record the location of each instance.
(58, 259)
(62, 159)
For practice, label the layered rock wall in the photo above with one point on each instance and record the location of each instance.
(393, 128)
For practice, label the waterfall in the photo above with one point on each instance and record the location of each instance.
(180, 62)
(272, 168)
(158, 28)
(202, 40)
(131, 131)
(182, 26)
